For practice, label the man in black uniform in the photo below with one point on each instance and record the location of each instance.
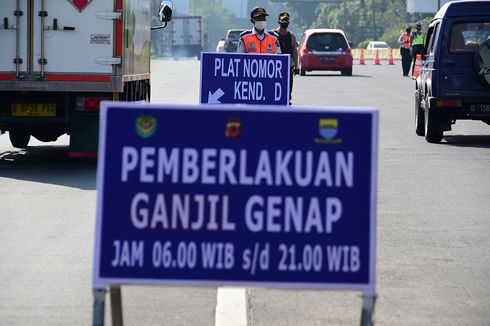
(287, 41)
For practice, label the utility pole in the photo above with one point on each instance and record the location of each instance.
(374, 20)
(345, 15)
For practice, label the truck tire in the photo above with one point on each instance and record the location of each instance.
(19, 139)
(419, 116)
(432, 135)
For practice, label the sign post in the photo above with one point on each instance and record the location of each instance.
(226, 195)
(232, 78)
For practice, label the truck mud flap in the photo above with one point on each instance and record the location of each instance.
(84, 136)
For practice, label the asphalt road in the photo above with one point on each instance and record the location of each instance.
(433, 257)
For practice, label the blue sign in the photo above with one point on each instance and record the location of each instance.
(244, 78)
(236, 195)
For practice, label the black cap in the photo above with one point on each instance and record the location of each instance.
(258, 11)
(283, 16)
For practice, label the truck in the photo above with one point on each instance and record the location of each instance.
(61, 58)
(186, 34)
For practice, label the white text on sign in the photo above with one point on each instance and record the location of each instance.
(247, 69)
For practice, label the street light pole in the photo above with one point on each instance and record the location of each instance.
(374, 19)
(345, 14)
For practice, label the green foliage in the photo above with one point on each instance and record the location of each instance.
(379, 20)
(364, 44)
(303, 14)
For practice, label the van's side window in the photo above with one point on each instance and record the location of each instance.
(467, 37)
(431, 37)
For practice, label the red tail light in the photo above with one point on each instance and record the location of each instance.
(348, 50)
(90, 104)
(448, 103)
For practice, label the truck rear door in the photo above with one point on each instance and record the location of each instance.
(72, 36)
(56, 36)
(13, 37)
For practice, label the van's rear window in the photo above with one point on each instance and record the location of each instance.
(467, 37)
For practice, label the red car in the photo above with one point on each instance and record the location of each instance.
(325, 49)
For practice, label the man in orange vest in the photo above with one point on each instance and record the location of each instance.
(258, 39)
(404, 41)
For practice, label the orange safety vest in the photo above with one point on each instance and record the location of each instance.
(254, 45)
(406, 40)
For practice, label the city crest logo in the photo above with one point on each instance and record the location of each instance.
(328, 129)
(80, 4)
(146, 126)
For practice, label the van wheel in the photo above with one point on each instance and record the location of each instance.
(19, 139)
(419, 116)
(432, 135)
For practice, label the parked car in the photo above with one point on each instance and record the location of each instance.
(231, 39)
(454, 81)
(377, 45)
(324, 49)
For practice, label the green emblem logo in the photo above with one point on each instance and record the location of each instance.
(146, 126)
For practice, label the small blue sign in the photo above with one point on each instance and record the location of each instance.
(220, 194)
(232, 78)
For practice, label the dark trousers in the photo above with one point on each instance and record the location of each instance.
(406, 60)
(416, 49)
(291, 78)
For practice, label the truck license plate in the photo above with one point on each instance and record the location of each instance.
(34, 110)
(480, 109)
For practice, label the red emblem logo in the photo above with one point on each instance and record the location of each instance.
(80, 4)
(233, 128)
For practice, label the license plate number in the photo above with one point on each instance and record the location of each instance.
(327, 59)
(480, 109)
(33, 110)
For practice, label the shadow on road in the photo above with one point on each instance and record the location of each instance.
(48, 164)
(468, 141)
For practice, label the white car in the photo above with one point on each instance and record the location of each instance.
(220, 47)
(378, 45)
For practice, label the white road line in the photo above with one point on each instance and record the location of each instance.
(231, 307)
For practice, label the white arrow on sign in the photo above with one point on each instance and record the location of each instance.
(213, 98)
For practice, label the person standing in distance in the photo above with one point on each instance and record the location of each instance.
(258, 40)
(417, 41)
(287, 41)
(404, 41)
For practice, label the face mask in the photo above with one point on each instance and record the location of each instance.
(260, 25)
(284, 25)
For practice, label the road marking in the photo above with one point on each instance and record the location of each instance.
(231, 307)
